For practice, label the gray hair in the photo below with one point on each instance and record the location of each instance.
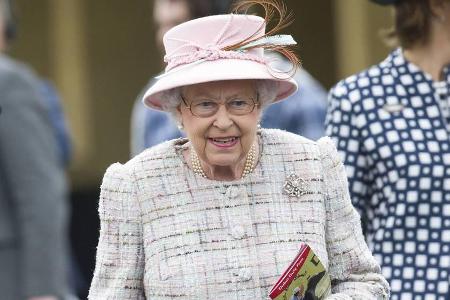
(266, 89)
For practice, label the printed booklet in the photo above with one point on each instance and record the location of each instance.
(305, 276)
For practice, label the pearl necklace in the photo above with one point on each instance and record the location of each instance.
(249, 166)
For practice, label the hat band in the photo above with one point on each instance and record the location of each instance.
(209, 55)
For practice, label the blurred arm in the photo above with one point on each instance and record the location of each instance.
(341, 125)
(354, 272)
(36, 186)
(119, 268)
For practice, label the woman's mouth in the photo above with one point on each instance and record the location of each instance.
(225, 142)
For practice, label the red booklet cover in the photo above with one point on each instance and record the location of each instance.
(305, 277)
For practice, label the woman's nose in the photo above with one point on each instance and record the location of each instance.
(222, 118)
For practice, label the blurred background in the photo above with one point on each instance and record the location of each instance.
(99, 54)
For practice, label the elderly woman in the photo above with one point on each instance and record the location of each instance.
(221, 214)
(392, 125)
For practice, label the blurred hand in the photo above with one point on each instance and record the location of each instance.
(43, 298)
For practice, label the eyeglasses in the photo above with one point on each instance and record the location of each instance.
(205, 108)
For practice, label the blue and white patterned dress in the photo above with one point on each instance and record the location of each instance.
(391, 124)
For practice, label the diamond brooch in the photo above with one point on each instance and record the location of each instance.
(295, 186)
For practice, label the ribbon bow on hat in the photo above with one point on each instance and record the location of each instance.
(196, 53)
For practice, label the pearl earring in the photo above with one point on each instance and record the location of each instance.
(180, 126)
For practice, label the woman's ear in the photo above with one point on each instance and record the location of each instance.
(179, 118)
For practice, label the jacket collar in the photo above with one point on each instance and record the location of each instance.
(398, 66)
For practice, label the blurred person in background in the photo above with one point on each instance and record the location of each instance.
(302, 113)
(33, 190)
(391, 123)
(52, 103)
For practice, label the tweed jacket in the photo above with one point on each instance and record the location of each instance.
(167, 233)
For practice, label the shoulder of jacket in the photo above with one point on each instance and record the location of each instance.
(287, 142)
(153, 158)
(358, 80)
(12, 68)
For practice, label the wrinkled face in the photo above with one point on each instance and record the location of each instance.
(222, 139)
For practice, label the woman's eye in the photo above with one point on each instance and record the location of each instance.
(238, 103)
(205, 104)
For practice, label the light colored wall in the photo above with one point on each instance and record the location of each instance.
(70, 69)
(358, 35)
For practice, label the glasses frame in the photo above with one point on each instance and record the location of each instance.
(255, 104)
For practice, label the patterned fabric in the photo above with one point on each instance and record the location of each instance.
(443, 92)
(389, 126)
(167, 233)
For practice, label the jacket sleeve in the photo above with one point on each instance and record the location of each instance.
(342, 125)
(119, 265)
(354, 272)
(36, 186)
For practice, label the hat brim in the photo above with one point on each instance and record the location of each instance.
(215, 70)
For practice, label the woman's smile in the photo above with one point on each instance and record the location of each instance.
(224, 142)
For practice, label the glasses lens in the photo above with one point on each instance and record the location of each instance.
(207, 108)
(240, 106)
(204, 108)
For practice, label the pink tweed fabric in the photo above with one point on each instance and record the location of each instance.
(167, 233)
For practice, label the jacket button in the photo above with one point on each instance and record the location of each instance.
(238, 232)
(232, 192)
(245, 274)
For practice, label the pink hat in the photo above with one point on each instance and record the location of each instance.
(195, 54)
